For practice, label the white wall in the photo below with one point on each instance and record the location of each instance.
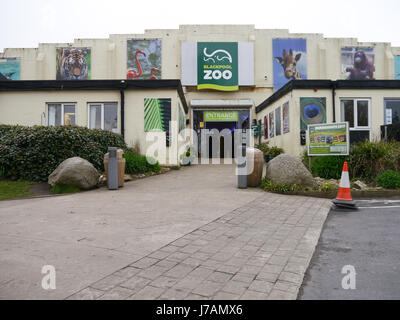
(29, 107)
(290, 142)
(109, 56)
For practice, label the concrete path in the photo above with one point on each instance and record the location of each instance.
(92, 238)
(90, 235)
(258, 251)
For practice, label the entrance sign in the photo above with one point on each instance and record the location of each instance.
(330, 139)
(221, 116)
(217, 64)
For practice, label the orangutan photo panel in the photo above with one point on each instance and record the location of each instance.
(290, 61)
(144, 59)
(73, 63)
(358, 63)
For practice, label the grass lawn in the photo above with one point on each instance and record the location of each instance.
(14, 189)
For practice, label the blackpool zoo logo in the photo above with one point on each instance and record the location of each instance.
(218, 66)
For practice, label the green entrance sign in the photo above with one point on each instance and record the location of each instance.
(330, 139)
(217, 66)
(221, 116)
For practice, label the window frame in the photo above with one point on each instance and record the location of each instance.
(48, 104)
(384, 108)
(101, 104)
(355, 112)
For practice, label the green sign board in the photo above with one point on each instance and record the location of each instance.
(221, 116)
(330, 139)
(217, 66)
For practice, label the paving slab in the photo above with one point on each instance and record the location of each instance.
(90, 235)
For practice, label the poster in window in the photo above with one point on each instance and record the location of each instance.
(312, 111)
(265, 127)
(271, 125)
(157, 115)
(10, 69)
(290, 61)
(144, 59)
(285, 116)
(278, 121)
(73, 63)
(358, 63)
(397, 67)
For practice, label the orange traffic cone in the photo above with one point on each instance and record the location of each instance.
(344, 198)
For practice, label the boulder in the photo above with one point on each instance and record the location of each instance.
(288, 170)
(360, 185)
(77, 172)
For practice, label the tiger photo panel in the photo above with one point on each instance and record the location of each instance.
(73, 63)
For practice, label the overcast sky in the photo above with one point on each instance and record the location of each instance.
(26, 23)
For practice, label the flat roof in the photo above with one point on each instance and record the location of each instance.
(328, 84)
(42, 85)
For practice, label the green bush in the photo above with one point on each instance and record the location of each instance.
(389, 179)
(275, 151)
(264, 147)
(33, 153)
(272, 152)
(327, 167)
(370, 159)
(138, 164)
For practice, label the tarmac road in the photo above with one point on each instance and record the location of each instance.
(369, 240)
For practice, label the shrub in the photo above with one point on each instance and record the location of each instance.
(264, 147)
(327, 167)
(370, 159)
(138, 164)
(275, 151)
(33, 153)
(389, 179)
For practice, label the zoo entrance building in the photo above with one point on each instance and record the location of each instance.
(223, 77)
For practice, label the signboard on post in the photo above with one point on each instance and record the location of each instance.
(331, 139)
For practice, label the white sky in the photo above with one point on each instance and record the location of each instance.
(26, 23)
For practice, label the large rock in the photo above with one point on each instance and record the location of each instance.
(289, 170)
(77, 172)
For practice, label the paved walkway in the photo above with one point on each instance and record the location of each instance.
(168, 236)
(259, 251)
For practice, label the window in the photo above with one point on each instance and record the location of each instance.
(392, 111)
(103, 116)
(61, 114)
(357, 112)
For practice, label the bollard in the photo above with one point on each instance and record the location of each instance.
(112, 178)
(242, 167)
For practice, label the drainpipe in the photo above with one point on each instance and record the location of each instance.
(122, 112)
(333, 101)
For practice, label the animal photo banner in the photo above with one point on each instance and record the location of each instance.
(73, 63)
(285, 116)
(358, 63)
(271, 125)
(278, 121)
(312, 111)
(290, 61)
(144, 59)
(10, 69)
(218, 66)
(157, 115)
(397, 67)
